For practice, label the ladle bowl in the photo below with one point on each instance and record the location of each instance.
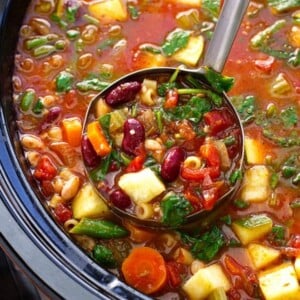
(217, 52)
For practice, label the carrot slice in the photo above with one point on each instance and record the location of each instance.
(98, 139)
(72, 129)
(145, 270)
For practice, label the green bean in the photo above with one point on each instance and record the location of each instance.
(260, 38)
(36, 42)
(288, 171)
(73, 34)
(99, 229)
(91, 19)
(27, 100)
(60, 45)
(44, 50)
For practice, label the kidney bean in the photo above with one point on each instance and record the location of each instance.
(119, 199)
(89, 155)
(123, 93)
(52, 116)
(134, 135)
(171, 164)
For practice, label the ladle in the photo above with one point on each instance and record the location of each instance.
(219, 47)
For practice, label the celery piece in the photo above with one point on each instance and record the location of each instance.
(36, 42)
(43, 51)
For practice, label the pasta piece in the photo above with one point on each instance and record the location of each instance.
(144, 211)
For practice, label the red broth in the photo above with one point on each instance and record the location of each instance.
(67, 52)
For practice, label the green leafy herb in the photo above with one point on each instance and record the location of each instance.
(175, 41)
(193, 110)
(100, 172)
(235, 176)
(134, 12)
(278, 235)
(241, 204)
(38, 107)
(218, 81)
(93, 84)
(245, 107)
(104, 256)
(64, 81)
(208, 245)
(174, 209)
(289, 116)
(163, 88)
(212, 7)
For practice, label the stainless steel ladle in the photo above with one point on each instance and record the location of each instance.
(219, 47)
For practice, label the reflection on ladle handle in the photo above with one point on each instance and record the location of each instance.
(227, 26)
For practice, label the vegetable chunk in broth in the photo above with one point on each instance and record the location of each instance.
(69, 50)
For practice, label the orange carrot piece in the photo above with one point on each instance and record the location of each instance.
(97, 138)
(72, 130)
(145, 270)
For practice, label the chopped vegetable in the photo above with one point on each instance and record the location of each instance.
(64, 81)
(174, 210)
(279, 282)
(27, 100)
(93, 84)
(205, 281)
(72, 129)
(283, 5)
(101, 229)
(252, 228)
(88, 204)
(98, 139)
(212, 7)
(104, 256)
(289, 116)
(255, 151)
(133, 184)
(175, 41)
(145, 269)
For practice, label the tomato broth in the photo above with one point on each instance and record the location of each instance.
(70, 50)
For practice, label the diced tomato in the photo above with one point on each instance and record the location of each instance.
(136, 164)
(265, 65)
(186, 131)
(218, 120)
(173, 273)
(45, 169)
(199, 174)
(171, 99)
(194, 198)
(211, 154)
(210, 198)
(62, 213)
(47, 188)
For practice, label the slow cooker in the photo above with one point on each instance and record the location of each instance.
(28, 234)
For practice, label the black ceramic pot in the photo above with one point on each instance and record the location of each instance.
(28, 234)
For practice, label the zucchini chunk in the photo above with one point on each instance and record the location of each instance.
(252, 228)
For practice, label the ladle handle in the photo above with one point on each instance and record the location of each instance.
(226, 29)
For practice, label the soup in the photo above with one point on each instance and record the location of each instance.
(68, 51)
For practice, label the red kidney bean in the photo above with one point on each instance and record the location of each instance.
(134, 135)
(171, 164)
(89, 155)
(123, 93)
(53, 114)
(119, 199)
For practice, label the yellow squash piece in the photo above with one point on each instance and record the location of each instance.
(280, 283)
(206, 280)
(191, 54)
(262, 256)
(108, 10)
(88, 204)
(297, 267)
(142, 186)
(252, 228)
(256, 184)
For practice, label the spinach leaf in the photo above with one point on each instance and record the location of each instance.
(100, 172)
(163, 88)
(193, 110)
(208, 245)
(104, 256)
(289, 117)
(218, 81)
(175, 41)
(245, 107)
(93, 84)
(134, 12)
(174, 209)
(38, 107)
(64, 81)
(212, 7)
(283, 5)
